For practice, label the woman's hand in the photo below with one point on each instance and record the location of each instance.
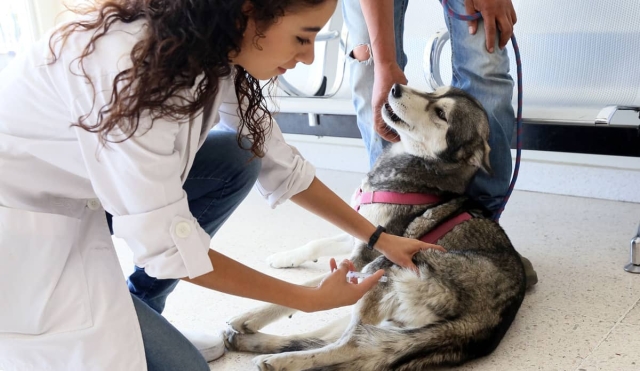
(335, 291)
(323, 202)
(401, 250)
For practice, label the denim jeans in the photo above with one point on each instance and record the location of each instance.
(165, 348)
(220, 178)
(482, 74)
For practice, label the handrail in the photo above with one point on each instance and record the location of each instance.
(606, 114)
(431, 58)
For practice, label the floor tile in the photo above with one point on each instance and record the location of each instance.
(544, 339)
(619, 351)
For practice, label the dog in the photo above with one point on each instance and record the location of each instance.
(461, 303)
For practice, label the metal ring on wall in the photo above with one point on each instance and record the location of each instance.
(288, 88)
(431, 58)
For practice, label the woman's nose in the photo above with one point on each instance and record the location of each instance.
(307, 55)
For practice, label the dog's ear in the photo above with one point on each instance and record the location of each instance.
(480, 159)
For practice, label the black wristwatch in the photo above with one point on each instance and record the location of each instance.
(374, 237)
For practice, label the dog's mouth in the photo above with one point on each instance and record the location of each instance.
(392, 120)
(392, 115)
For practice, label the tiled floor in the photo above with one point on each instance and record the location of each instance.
(584, 314)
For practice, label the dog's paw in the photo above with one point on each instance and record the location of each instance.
(270, 362)
(256, 319)
(290, 259)
(235, 341)
(230, 337)
(262, 363)
(246, 323)
(258, 343)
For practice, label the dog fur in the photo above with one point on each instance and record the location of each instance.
(463, 301)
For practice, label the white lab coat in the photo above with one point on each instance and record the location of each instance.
(64, 304)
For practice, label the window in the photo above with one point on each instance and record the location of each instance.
(16, 28)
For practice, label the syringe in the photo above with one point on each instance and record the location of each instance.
(352, 274)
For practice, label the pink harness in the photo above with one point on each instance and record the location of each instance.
(383, 197)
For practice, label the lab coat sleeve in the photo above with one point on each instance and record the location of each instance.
(284, 172)
(139, 182)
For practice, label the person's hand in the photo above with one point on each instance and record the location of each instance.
(401, 250)
(497, 14)
(335, 291)
(385, 75)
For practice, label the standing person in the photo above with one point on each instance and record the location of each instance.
(480, 67)
(111, 115)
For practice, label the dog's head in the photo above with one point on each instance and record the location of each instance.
(448, 125)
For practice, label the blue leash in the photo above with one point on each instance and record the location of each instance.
(473, 17)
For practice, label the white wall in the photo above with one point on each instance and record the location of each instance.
(45, 12)
(48, 13)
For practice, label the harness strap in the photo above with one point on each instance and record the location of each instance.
(435, 234)
(383, 197)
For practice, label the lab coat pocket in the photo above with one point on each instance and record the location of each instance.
(43, 288)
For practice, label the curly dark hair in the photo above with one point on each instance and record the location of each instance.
(187, 42)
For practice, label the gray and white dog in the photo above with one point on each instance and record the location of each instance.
(463, 301)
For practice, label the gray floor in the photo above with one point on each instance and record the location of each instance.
(582, 315)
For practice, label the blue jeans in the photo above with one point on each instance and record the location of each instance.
(482, 74)
(165, 348)
(220, 178)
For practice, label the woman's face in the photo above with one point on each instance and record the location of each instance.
(285, 43)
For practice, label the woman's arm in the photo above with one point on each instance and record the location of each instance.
(232, 277)
(320, 200)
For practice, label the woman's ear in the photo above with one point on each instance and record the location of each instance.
(247, 8)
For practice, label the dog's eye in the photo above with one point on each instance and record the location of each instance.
(441, 114)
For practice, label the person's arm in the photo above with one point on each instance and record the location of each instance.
(232, 277)
(321, 201)
(378, 15)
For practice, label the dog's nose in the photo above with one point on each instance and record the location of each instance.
(396, 90)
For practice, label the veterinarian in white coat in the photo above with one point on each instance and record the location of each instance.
(63, 302)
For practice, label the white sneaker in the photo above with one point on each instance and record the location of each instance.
(210, 346)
